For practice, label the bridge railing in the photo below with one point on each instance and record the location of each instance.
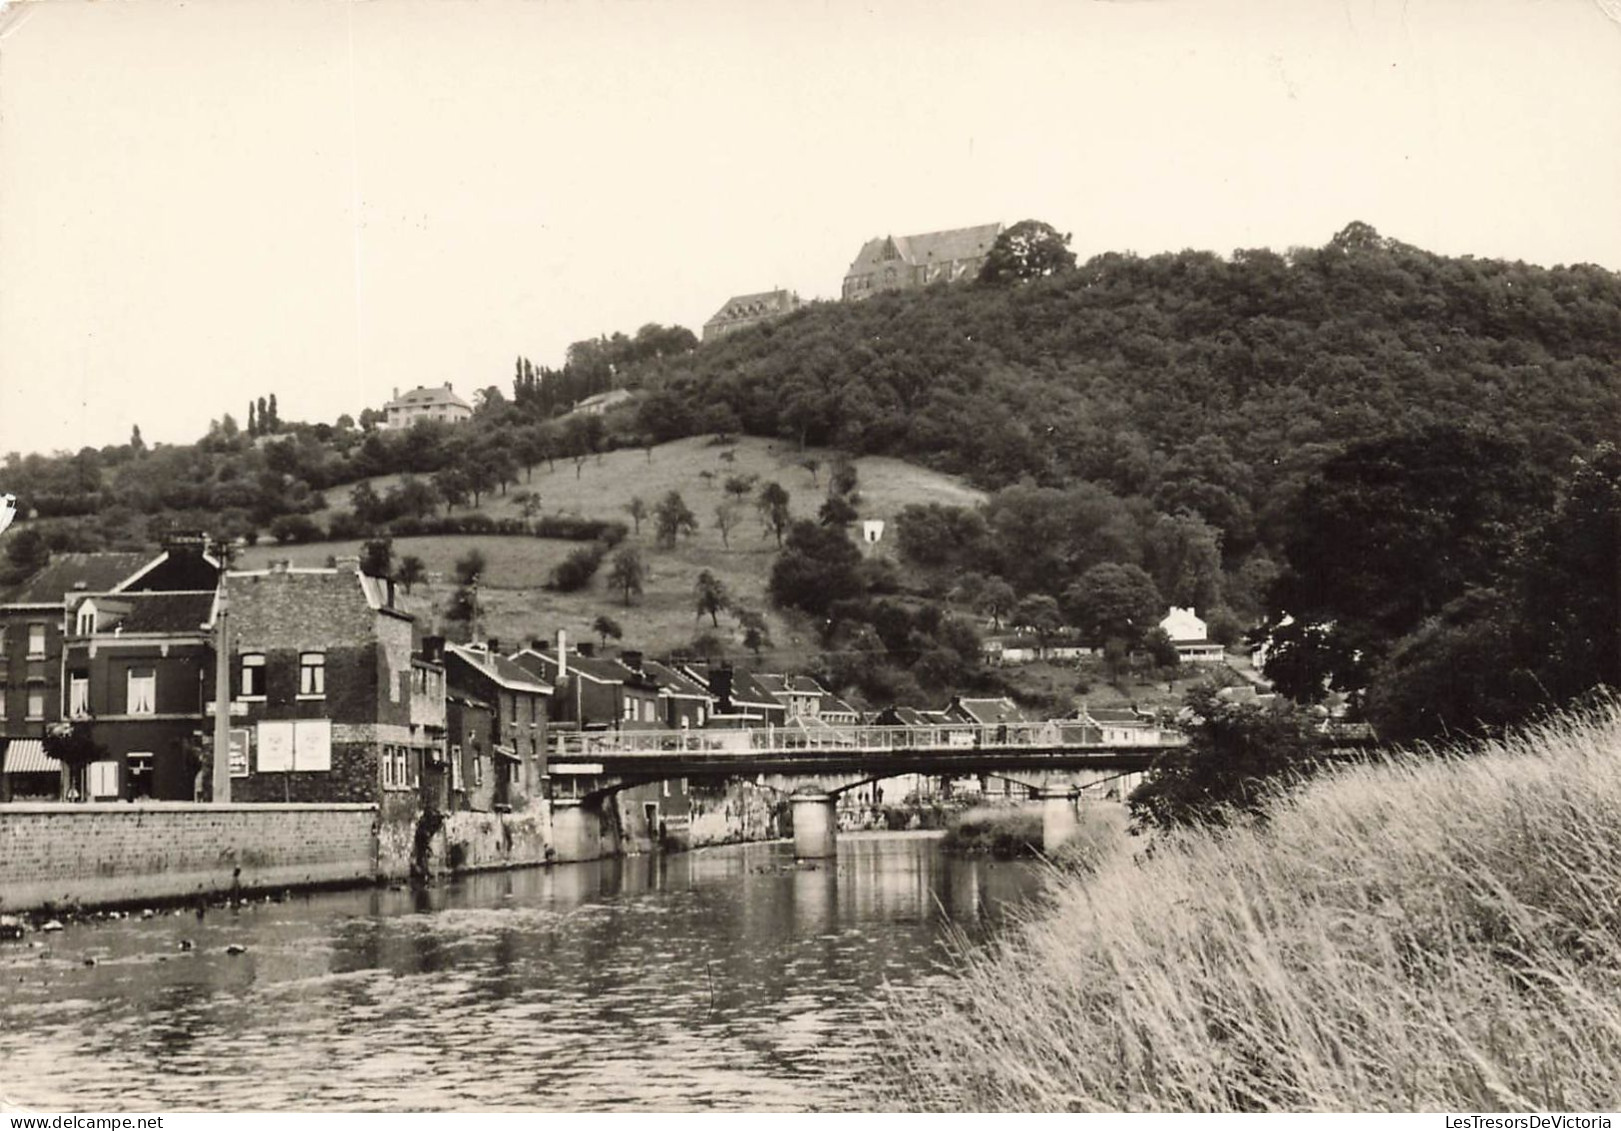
(1061, 733)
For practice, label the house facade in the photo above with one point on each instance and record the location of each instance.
(1191, 637)
(522, 706)
(37, 618)
(741, 311)
(897, 263)
(328, 701)
(439, 402)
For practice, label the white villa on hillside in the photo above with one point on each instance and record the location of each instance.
(1191, 637)
(423, 403)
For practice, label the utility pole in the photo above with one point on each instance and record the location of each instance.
(222, 700)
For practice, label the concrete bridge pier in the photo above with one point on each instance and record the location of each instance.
(577, 830)
(1059, 819)
(816, 824)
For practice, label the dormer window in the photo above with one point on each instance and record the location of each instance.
(86, 622)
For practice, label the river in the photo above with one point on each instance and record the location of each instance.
(726, 978)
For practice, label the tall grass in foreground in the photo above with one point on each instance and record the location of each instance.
(1424, 933)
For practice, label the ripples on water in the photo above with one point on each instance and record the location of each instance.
(723, 979)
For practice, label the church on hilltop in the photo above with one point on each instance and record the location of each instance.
(895, 263)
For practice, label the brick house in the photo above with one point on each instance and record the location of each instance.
(896, 263)
(328, 700)
(684, 701)
(133, 666)
(474, 782)
(35, 621)
(523, 711)
(740, 311)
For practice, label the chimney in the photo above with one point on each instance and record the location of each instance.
(448, 389)
(632, 660)
(720, 686)
(562, 655)
(586, 649)
(494, 646)
(433, 649)
(396, 392)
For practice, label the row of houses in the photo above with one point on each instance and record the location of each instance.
(1187, 631)
(335, 692)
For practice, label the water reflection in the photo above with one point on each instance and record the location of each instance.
(727, 978)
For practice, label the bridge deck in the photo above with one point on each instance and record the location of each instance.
(942, 749)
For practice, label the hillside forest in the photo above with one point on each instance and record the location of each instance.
(1396, 467)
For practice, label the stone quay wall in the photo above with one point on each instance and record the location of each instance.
(66, 856)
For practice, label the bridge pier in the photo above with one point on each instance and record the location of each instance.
(816, 824)
(577, 832)
(1059, 819)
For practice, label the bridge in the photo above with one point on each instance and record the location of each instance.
(812, 764)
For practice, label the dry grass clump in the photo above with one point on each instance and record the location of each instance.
(1431, 932)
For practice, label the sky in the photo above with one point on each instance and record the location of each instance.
(206, 202)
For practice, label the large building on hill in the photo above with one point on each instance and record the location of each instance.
(423, 403)
(898, 263)
(750, 310)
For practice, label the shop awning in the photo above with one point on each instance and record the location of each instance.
(27, 756)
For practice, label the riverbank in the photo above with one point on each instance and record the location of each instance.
(1425, 933)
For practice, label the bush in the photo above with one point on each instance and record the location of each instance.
(291, 529)
(576, 571)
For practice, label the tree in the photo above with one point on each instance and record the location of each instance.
(711, 596)
(1386, 536)
(1236, 755)
(74, 745)
(996, 600)
(1114, 600)
(136, 444)
(637, 511)
(1039, 614)
(471, 567)
(607, 628)
(377, 557)
(253, 421)
(672, 519)
(818, 567)
(812, 465)
(739, 486)
(772, 503)
(726, 516)
(275, 415)
(756, 635)
(412, 570)
(27, 553)
(529, 503)
(627, 574)
(1028, 250)
(837, 511)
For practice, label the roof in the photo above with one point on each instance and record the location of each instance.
(500, 670)
(928, 247)
(598, 668)
(759, 305)
(987, 711)
(154, 613)
(1116, 716)
(70, 573)
(422, 396)
(675, 683)
(789, 684)
(27, 756)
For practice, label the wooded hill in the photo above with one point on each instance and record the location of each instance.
(1187, 379)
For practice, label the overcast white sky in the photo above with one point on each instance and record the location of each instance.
(204, 202)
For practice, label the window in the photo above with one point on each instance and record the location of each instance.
(700, 715)
(78, 696)
(140, 776)
(36, 702)
(143, 691)
(5, 693)
(85, 624)
(253, 675)
(478, 768)
(312, 674)
(456, 782)
(36, 641)
(103, 781)
(630, 710)
(414, 758)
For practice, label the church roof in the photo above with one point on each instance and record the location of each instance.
(927, 247)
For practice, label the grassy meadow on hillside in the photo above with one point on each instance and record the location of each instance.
(517, 607)
(1429, 932)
